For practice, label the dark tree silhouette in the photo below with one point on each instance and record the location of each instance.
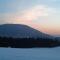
(28, 42)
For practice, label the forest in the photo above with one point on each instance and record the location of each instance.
(28, 42)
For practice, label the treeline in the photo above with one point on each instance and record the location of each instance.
(28, 42)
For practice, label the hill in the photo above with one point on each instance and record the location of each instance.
(21, 31)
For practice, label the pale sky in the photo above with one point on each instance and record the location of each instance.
(43, 15)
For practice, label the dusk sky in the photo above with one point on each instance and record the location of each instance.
(43, 15)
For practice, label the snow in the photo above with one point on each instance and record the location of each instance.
(30, 54)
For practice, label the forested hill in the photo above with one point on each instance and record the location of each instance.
(21, 31)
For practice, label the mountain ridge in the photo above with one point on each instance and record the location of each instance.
(21, 31)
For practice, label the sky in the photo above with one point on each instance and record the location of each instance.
(43, 15)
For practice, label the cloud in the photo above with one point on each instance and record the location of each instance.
(35, 12)
(28, 15)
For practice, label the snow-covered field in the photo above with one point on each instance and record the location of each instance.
(30, 54)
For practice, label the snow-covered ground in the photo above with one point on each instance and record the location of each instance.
(30, 54)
